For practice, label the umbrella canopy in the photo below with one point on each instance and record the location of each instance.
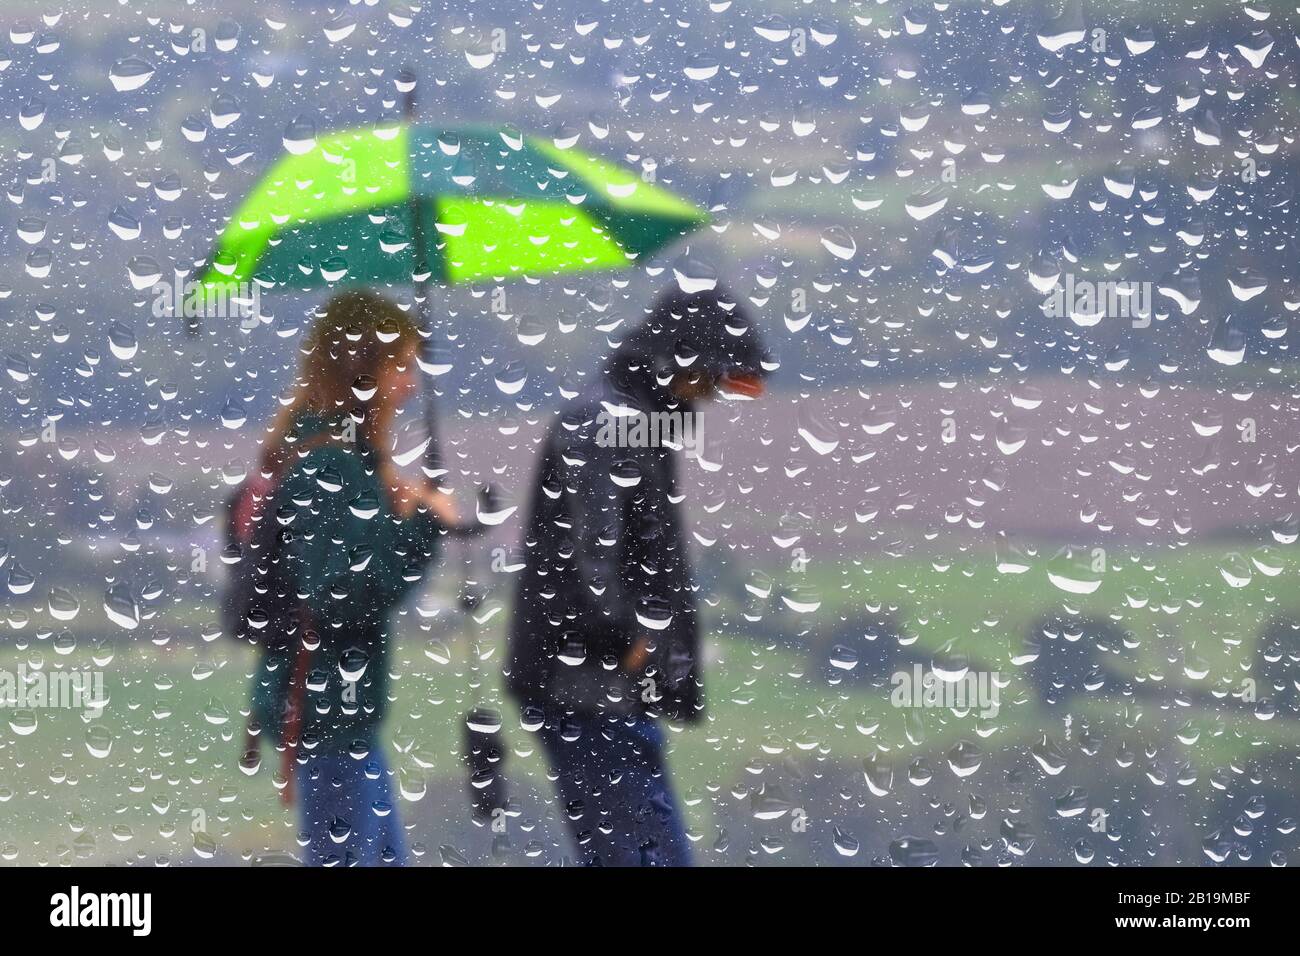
(494, 204)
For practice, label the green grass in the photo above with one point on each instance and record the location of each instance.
(1173, 601)
(176, 728)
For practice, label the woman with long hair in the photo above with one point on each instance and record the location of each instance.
(353, 536)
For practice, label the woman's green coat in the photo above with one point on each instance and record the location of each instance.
(347, 560)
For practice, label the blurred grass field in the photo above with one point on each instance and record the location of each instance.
(170, 789)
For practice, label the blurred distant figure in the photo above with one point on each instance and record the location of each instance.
(604, 636)
(340, 539)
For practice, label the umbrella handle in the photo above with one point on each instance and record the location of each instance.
(489, 500)
(432, 451)
(469, 530)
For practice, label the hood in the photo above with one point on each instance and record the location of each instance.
(705, 331)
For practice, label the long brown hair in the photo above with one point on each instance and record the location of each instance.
(354, 337)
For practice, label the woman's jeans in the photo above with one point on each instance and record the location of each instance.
(348, 814)
(618, 802)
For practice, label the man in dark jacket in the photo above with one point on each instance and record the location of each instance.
(604, 638)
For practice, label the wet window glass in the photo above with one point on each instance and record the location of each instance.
(689, 433)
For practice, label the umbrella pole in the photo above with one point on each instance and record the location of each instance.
(420, 260)
(478, 745)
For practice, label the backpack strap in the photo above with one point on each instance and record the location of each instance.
(291, 730)
(250, 501)
(300, 450)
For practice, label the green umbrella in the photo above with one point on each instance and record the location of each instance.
(419, 203)
(412, 202)
(485, 205)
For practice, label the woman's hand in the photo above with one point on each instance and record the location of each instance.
(404, 496)
(441, 504)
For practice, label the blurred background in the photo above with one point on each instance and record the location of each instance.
(957, 467)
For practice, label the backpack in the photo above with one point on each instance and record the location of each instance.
(250, 546)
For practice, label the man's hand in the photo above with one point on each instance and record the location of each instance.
(635, 660)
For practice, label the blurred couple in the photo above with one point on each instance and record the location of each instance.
(604, 639)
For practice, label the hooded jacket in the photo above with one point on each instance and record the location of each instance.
(606, 563)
